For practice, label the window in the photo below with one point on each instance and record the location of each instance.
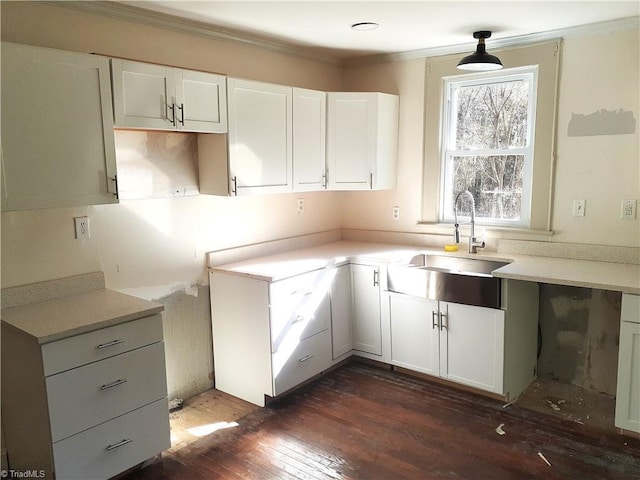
(488, 131)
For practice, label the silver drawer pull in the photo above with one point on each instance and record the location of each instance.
(299, 318)
(110, 344)
(305, 358)
(119, 444)
(107, 386)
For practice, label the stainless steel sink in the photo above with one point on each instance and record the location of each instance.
(447, 278)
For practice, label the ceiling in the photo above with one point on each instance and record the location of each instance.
(324, 27)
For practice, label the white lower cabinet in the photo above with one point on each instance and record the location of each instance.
(366, 312)
(461, 343)
(341, 330)
(628, 390)
(97, 402)
(269, 337)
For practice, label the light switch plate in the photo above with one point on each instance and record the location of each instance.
(578, 208)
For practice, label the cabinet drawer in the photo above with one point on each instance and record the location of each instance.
(309, 358)
(81, 398)
(93, 346)
(95, 453)
(299, 308)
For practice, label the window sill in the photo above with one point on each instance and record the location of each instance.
(488, 231)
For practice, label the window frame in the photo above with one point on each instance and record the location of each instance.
(448, 132)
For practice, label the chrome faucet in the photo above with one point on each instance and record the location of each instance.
(474, 244)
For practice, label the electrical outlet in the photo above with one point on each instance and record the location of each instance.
(300, 205)
(628, 209)
(395, 213)
(82, 228)
(578, 208)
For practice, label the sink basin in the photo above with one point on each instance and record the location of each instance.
(447, 278)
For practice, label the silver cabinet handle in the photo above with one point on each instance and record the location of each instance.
(119, 444)
(181, 108)
(172, 107)
(371, 181)
(299, 318)
(305, 358)
(445, 316)
(435, 319)
(107, 386)
(234, 185)
(376, 278)
(115, 186)
(110, 344)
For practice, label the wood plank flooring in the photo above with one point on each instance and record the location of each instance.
(363, 422)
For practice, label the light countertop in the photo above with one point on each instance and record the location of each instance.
(58, 318)
(620, 277)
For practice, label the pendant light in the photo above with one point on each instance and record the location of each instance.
(480, 61)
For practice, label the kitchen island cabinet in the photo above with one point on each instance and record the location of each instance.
(57, 129)
(269, 337)
(84, 385)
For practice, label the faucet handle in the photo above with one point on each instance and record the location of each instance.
(456, 233)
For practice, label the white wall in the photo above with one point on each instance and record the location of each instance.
(155, 248)
(602, 169)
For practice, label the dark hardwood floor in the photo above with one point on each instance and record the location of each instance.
(362, 422)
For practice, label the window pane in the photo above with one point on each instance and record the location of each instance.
(495, 182)
(491, 116)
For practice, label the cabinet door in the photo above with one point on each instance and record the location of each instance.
(143, 95)
(628, 392)
(472, 346)
(309, 138)
(260, 125)
(341, 332)
(367, 334)
(201, 102)
(57, 129)
(414, 333)
(351, 141)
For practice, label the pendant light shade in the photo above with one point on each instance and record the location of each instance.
(480, 60)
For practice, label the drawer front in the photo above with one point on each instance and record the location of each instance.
(114, 446)
(299, 308)
(100, 344)
(309, 358)
(86, 396)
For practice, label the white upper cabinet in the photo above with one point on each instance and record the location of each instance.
(362, 141)
(260, 144)
(309, 139)
(156, 97)
(57, 129)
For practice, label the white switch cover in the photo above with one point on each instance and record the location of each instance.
(300, 205)
(578, 208)
(82, 228)
(628, 209)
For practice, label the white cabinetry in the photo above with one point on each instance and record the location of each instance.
(309, 139)
(628, 391)
(366, 313)
(57, 129)
(362, 141)
(85, 406)
(149, 96)
(269, 337)
(341, 331)
(462, 343)
(485, 348)
(260, 148)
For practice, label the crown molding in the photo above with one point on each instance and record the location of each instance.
(628, 23)
(190, 27)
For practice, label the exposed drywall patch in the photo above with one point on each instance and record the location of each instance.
(602, 122)
(580, 331)
(188, 344)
